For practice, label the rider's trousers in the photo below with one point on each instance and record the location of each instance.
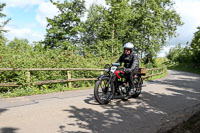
(130, 78)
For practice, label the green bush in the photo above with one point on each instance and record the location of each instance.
(19, 54)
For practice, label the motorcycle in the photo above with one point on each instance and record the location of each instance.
(114, 84)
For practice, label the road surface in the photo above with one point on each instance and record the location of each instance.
(162, 104)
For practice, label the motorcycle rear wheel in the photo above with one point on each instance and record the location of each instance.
(103, 91)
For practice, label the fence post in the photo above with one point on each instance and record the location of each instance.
(163, 70)
(28, 77)
(102, 72)
(69, 77)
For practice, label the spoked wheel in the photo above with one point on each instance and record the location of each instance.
(138, 86)
(103, 91)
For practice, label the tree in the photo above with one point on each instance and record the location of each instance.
(154, 22)
(93, 26)
(105, 28)
(97, 38)
(195, 46)
(175, 53)
(147, 24)
(63, 31)
(19, 45)
(2, 38)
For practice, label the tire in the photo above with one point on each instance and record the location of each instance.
(138, 87)
(103, 91)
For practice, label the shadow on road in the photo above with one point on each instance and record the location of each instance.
(8, 130)
(181, 83)
(91, 100)
(139, 115)
(2, 110)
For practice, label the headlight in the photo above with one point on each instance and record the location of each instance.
(107, 68)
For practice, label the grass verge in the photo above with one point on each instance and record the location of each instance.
(185, 68)
(32, 90)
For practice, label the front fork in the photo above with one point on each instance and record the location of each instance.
(109, 83)
(112, 84)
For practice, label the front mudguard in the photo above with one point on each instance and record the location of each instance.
(103, 76)
(107, 77)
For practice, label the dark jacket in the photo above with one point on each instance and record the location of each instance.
(130, 61)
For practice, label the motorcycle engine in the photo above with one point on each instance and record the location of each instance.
(123, 88)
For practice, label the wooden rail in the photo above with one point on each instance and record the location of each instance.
(150, 73)
(50, 69)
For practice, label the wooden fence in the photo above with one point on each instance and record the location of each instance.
(150, 73)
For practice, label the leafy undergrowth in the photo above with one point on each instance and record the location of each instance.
(190, 126)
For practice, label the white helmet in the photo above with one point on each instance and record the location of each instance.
(128, 45)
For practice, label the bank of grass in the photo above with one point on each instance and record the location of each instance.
(34, 90)
(185, 67)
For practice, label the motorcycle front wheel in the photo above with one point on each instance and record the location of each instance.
(103, 91)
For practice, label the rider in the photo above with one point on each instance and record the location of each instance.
(131, 63)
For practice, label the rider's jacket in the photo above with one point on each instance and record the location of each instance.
(130, 61)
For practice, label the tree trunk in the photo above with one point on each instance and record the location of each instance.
(113, 37)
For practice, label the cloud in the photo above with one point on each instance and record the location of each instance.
(41, 8)
(189, 12)
(88, 3)
(26, 33)
(165, 50)
(22, 3)
(45, 9)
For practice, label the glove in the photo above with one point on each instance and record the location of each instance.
(128, 70)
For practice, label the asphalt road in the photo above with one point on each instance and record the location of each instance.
(162, 104)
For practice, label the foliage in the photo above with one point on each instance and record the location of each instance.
(97, 38)
(71, 42)
(147, 24)
(174, 53)
(64, 29)
(19, 54)
(190, 54)
(4, 22)
(195, 46)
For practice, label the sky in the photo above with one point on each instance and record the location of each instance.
(28, 19)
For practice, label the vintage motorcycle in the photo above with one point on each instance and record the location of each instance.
(114, 84)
